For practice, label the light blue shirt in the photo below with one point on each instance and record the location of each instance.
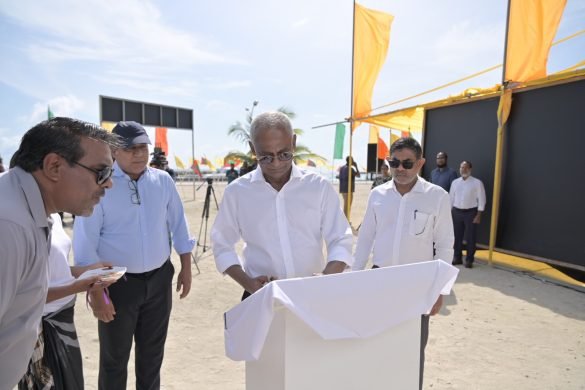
(134, 235)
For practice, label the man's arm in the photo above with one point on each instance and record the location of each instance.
(184, 276)
(249, 284)
(366, 237)
(481, 199)
(443, 235)
(335, 231)
(14, 260)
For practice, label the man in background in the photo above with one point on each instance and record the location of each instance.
(468, 202)
(442, 175)
(134, 226)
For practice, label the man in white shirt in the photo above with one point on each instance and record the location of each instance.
(282, 213)
(468, 201)
(407, 221)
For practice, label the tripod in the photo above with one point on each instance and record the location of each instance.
(205, 218)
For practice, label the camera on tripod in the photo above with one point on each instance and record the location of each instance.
(159, 160)
(209, 180)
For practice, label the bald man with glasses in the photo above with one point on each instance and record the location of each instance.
(282, 213)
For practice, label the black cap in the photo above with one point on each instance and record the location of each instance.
(131, 133)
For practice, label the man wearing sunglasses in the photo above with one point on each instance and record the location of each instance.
(282, 213)
(61, 164)
(134, 226)
(406, 219)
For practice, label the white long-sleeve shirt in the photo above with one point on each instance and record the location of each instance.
(403, 229)
(283, 230)
(467, 194)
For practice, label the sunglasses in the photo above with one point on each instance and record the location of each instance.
(268, 159)
(406, 164)
(102, 174)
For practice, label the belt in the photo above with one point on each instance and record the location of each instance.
(147, 274)
(471, 209)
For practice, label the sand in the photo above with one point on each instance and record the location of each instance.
(499, 329)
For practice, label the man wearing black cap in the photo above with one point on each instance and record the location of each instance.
(133, 226)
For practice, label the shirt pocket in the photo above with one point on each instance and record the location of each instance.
(419, 222)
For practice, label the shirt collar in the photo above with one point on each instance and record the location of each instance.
(258, 176)
(33, 196)
(418, 186)
(118, 172)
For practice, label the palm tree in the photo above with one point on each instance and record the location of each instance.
(241, 131)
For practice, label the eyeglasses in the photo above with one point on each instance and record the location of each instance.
(406, 164)
(268, 159)
(134, 195)
(102, 174)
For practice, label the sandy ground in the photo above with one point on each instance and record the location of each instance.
(498, 330)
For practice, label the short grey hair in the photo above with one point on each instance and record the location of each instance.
(270, 120)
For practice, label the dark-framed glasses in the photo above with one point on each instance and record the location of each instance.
(268, 159)
(406, 164)
(102, 175)
(134, 195)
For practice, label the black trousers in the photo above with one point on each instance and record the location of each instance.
(143, 306)
(464, 227)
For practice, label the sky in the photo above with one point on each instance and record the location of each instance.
(217, 57)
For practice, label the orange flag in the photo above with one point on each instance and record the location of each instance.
(195, 168)
(382, 149)
(371, 39)
(160, 139)
(531, 29)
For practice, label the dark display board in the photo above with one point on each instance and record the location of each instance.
(542, 209)
(116, 110)
(465, 132)
(543, 202)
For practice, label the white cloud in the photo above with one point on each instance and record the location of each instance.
(124, 33)
(300, 23)
(68, 106)
(231, 84)
(464, 45)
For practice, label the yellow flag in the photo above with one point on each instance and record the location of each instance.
(179, 162)
(532, 27)
(108, 125)
(371, 39)
(374, 134)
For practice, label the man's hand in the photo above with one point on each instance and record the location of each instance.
(334, 267)
(102, 310)
(184, 281)
(255, 284)
(477, 218)
(437, 306)
(88, 284)
(249, 284)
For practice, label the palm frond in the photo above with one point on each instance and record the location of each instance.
(287, 111)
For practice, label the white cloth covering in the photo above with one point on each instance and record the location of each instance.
(350, 305)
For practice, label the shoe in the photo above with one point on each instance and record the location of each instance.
(469, 264)
(456, 261)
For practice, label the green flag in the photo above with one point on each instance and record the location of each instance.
(339, 138)
(50, 114)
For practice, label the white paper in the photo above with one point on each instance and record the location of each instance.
(107, 274)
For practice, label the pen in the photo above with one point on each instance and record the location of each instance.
(415, 213)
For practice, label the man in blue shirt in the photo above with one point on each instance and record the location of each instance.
(133, 226)
(442, 175)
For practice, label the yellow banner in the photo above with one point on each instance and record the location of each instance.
(371, 39)
(532, 27)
